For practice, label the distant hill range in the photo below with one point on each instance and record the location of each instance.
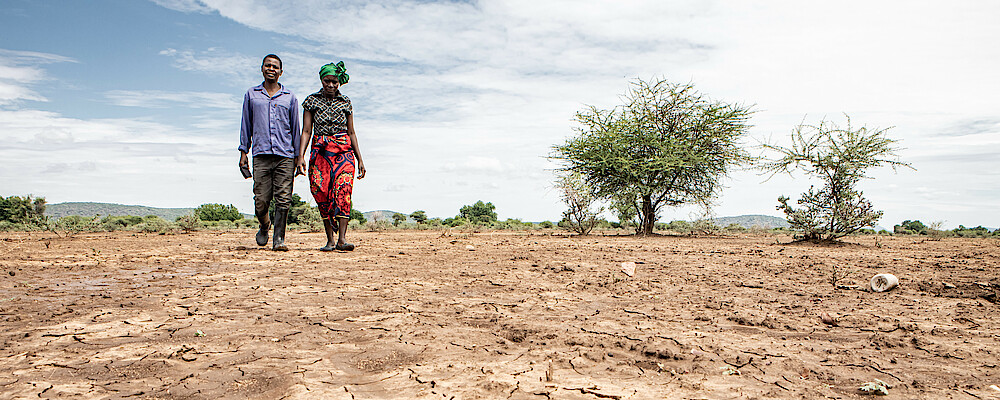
(87, 209)
(749, 221)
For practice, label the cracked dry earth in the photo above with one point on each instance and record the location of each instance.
(418, 315)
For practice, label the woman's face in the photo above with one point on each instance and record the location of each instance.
(330, 84)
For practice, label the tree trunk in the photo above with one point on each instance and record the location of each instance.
(648, 215)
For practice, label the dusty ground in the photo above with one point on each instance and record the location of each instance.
(419, 315)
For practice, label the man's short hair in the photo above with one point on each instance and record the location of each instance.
(274, 56)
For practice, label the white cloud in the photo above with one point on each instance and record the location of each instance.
(481, 90)
(475, 164)
(195, 6)
(236, 67)
(19, 70)
(164, 99)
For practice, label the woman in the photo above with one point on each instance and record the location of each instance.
(328, 122)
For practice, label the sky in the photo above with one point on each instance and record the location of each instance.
(138, 102)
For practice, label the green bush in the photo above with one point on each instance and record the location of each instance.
(705, 226)
(420, 216)
(398, 218)
(479, 213)
(358, 216)
(217, 212)
(545, 224)
(154, 224)
(75, 223)
(910, 228)
(456, 221)
(353, 224)
(189, 222)
(977, 232)
(681, 227)
(25, 210)
(734, 228)
(310, 220)
(113, 223)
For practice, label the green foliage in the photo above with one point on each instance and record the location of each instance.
(25, 210)
(513, 224)
(309, 219)
(434, 222)
(456, 221)
(579, 198)
(545, 224)
(154, 224)
(705, 226)
(358, 216)
(626, 210)
(839, 157)
(295, 211)
(668, 145)
(75, 223)
(113, 223)
(189, 222)
(734, 228)
(977, 232)
(420, 216)
(681, 227)
(217, 212)
(910, 228)
(398, 218)
(479, 213)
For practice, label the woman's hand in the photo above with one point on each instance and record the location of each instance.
(361, 170)
(300, 166)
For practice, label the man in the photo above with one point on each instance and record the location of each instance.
(271, 128)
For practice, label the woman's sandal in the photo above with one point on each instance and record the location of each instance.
(328, 248)
(345, 247)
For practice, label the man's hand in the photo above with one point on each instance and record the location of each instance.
(244, 165)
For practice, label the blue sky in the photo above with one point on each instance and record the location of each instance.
(137, 102)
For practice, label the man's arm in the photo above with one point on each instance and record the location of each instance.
(246, 131)
(246, 125)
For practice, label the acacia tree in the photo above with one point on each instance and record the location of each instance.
(839, 157)
(479, 213)
(667, 145)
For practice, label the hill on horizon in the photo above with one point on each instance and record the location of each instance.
(91, 209)
(749, 221)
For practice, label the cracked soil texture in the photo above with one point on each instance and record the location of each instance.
(519, 315)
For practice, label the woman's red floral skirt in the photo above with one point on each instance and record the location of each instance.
(331, 175)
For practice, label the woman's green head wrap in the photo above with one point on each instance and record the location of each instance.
(338, 70)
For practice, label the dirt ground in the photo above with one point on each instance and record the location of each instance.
(494, 315)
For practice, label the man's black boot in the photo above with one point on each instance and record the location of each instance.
(280, 219)
(265, 227)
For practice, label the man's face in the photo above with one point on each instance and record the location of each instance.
(271, 69)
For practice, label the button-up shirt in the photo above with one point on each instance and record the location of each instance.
(271, 124)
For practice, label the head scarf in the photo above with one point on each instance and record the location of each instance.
(338, 70)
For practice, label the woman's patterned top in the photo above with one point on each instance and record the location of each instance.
(329, 114)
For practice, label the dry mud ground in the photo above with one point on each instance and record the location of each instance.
(418, 315)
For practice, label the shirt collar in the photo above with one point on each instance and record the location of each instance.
(282, 90)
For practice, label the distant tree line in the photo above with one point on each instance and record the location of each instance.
(28, 213)
(915, 227)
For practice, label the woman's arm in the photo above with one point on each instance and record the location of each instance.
(307, 134)
(354, 143)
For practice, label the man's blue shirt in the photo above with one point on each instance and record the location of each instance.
(271, 124)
